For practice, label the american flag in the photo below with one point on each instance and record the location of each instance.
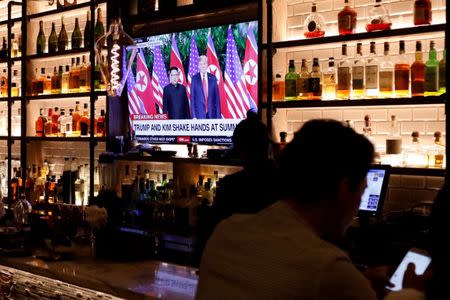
(159, 76)
(235, 85)
(193, 64)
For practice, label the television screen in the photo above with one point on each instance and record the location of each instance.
(193, 86)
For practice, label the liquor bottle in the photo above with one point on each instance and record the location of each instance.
(303, 92)
(15, 185)
(442, 87)
(48, 126)
(40, 41)
(47, 80)
(14, 46)
(314, 25)
(418, 73)
(378, 18)
(67, 181)
(4, 50)
(76, 117)
(347, 19)
(63, 40)
(75, 76)
(358, 74)
(36, 86)
(4, 84)
(69, 123)
(277, 86)
(17, 123)
(55, 82)
(432, 73)
(61, 123)
(415, 155)
(55, 118)
(99, 30)
(53, 40)
(77, 38)
(85, 121)
(291, 82)
(15, 84)
(329, 81)
(87, 31)
(102, 79)
(98, 79)
(19, 45)
(65, 78)
(422, 12)
(101, 124)
(401, 72)
(39, 124)
(315, 86)
(60, 73)
(344, 76)
(372, 71)
(85, 76)
(386, 74)
(394, 141)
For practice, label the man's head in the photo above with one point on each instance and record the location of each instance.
(203, 64)
(174, 75)
(251, 139)
(325, 168)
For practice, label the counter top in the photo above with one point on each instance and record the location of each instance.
(148, 279)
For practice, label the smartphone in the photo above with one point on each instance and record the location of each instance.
(420, 258)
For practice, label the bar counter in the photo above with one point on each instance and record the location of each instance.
(146, 279)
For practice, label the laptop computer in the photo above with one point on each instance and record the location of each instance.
(373, 198)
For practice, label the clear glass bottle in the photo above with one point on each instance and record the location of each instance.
(415, 155)
(315, 78)
(290, 81)
(372, 72)
(432, 72)
(394, 140)
(62, 123)
(329, 81)
(418, 73)
(17, 123)
(378, 18)
(344, 76)
(442, 75)
(314, 25)
(386, 74)
(401, 73)
(347, 19)
(436, 154)
(65, 80)
(358, 74)
(303, 92)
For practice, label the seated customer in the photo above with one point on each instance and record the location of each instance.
(286, 251)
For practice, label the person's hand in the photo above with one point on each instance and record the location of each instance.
(379, 279)
(414, 281)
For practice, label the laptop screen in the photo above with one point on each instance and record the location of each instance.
(373, 197)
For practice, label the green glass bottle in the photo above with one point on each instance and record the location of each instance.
(87, 31)
(291, 82)
(63, 40)
(53, 40)
(442, 87)
(99, 30)
(40, 42)
(432, 73)
(77, 38)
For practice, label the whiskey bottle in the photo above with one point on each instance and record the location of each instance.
(55, 118)
(329, 81)
(77, 38)
(17, 123)
(101, 124)
(401, 73)
(69, 124)
(422, 12)
(418, 73)
(75, 76)
(14, 46)
(47, 82)
(15, 84)
(347, 19)
(314, 25)
(63, 40)
(62, 123)
(65, 78)
(99, 30)
(37, 86)
(378, 18)
(358, 74)
(432, 73)
(87, 31)
(4, 84)
(442, 86)
(55, 83)
(315, 86)
(303, 92)
(48, 126)
(386, 74)
(53, 40)
(85, 121)
(291, 82)
(40, 123)
(40, 41)
(372, 71)
(85, 76)
(344, 76)
(277, 86)
(76, 117)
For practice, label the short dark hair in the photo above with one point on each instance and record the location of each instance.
(321, 154)
(173, 68)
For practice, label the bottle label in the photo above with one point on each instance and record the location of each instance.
(372, 77)
(402, 80)
(84, 128)
(431, 77)
(358, 78)
(386, 79)
(302, 85)
(312, 26)
(314, 85)
(345, 22)
(290, 88)
(344, 78)
(329, 79)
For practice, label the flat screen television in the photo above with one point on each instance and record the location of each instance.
(193, 86)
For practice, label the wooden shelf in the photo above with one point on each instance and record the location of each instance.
(64, 9)
(63, 139)
(358, 36)
(5, 99)
(71, 52)
(5, 138)
(202, 161)
(65, 96)
(360, 102)
(418, 171)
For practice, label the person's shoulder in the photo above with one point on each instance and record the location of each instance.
(166, 88)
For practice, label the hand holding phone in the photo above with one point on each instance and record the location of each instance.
(420, 260)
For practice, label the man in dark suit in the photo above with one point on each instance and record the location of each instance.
(175, 101)
(205, 97)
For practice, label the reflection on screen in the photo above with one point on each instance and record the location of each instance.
(420, 261)
(371, 197)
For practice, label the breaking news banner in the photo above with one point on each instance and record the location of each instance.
(159, 129)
